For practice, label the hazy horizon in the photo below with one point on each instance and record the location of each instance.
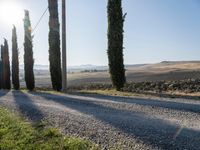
(103, 67)
(125, 64)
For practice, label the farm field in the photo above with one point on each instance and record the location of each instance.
(168, 71)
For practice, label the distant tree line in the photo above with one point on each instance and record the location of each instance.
(115, 50)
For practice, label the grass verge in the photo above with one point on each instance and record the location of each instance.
(17, 134)
(108, 92)
(113, 92)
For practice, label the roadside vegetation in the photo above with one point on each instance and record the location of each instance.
(15, 133)
(186, 86)
(189, 88)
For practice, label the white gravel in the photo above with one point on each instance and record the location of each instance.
(125, 123)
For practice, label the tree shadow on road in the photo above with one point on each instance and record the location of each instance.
(26, 106)
(3, 92)
(151, 131)
(194, 108)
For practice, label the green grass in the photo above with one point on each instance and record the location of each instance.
(17, 134)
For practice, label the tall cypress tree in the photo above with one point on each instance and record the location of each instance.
(2, 61)
(28, 54)
(115, 43)
(15, 60)
(6, 67)
(1, 73)
(54, 46)
(1, 68)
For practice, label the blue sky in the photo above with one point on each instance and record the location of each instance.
(155, 30)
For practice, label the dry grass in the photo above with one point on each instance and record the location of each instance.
(143, 95)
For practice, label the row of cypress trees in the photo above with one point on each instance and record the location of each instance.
(54, 54)
(54, 49)
(5, 82)
(115, 44)
(116, 20)
(115, 50)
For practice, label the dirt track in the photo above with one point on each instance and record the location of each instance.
(127, 123)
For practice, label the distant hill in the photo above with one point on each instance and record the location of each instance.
(164, 65)
(175, 62)
(166, 70)
(36, 67)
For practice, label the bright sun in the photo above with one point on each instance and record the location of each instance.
(10, 12)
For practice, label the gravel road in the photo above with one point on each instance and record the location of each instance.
(126, 123)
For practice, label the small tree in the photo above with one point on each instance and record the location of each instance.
(15, 60)
(6, 67)
(54, 46)
(28, 54)
(115, 43)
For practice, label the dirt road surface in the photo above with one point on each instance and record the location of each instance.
(126, 123)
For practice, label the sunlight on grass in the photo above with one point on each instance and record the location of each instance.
(18, 134)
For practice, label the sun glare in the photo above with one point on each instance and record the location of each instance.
(10, 12)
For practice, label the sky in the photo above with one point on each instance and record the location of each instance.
(155, 30)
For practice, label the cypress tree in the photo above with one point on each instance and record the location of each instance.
(6, 67)
(1, 74)
(54, 46)
(28, 54)
(115, 43)
(3, 81)
(1, 68)
(15, 60)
